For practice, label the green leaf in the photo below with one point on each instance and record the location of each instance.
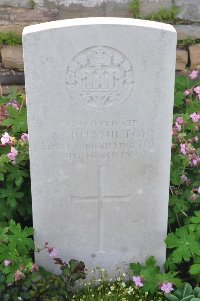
(184, 244)
(187, 290)
(1, 177)
(171, 297)
(136, 268)
(188, 298)
(197, 291)
(195, 269)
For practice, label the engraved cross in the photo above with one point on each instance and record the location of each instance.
(100, 199)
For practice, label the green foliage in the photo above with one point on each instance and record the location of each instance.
(188, 42)
(10, 38)
(15, 195)
(167, 15)
(134, 7)
(184, 244)
(41, 285)
(186, 293)
(152, 276)
(32, 4)
(183, 241)
(119, 288)
(15, 246)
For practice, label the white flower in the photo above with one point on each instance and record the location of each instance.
(129, 290)
(19, 298)
(123, 284)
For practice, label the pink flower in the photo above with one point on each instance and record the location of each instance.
(166, 287)
(13, 154)
(198, 96)
(24, 137)
(195, 162)
(187, 92)
(52, 252)
(177, 126)
(6, 139)
(18, 275)
(180, 120)
(34, 268)
(198, 190)
(183, 149)
(138, 281)
(14, 103)
(7, 262)
(193, 74)
(185, 180)
(194, 197)
(197, 89)
(195, 117)
(196, 139)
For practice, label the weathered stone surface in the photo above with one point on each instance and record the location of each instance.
(11, 77)
(104, 9)
(34, 15)
(194, 51)
(100, 162)
(188, 31)
(5, 15)
(152, 6)
(181, 59)
(189, 9)
(12, 57)
(15, 3)
(5, 90)
(17, 29)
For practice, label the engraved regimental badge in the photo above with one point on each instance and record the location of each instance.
(99, 78)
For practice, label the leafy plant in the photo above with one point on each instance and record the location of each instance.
(185, 294)
(15, 247)
(32, 4)
(168, 15)
(134, 7)
(151, 275)
(10, 38)
(15, 196)
(183, 240)
(37, 284)
(113, 288)
(188, 42)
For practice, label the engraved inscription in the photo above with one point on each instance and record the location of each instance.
(102, 140)
(99, 78)
(100, 199)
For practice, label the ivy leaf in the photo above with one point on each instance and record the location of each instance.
(185, 244)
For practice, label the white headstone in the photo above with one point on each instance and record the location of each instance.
(100, 98)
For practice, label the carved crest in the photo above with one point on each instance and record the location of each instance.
(99, 78)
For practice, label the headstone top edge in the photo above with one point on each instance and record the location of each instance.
(97, 21)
